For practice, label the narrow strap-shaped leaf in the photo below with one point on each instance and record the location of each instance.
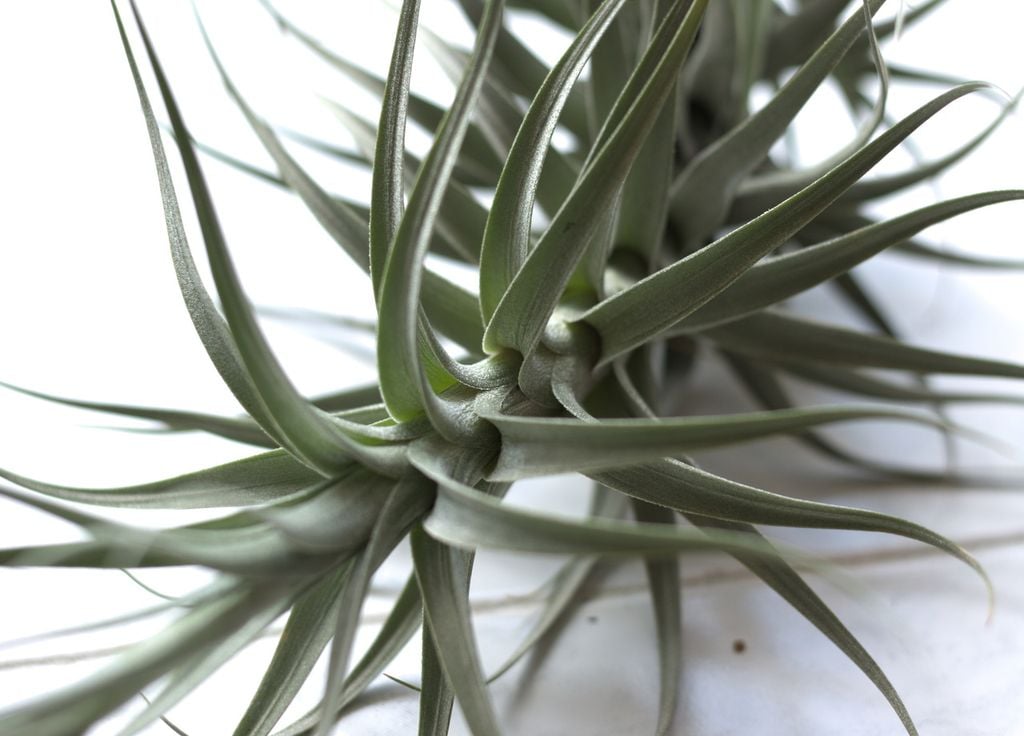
(690, 490)
(453, 311)
(388, 191)
(407, 502)
(536, 446)
(344, 224)
(708, 105)
(238, 164)
(917, 249)
(759, 194)
(325, 147)
(776, 279)
(768, 391)
(340, 221)
(305, 635)
(76, 708)
(614, 91)
(496, 110)
(519, 69)
(465, 517)
(304, 430)
(253, 480)
(775, 335)
(565, 589)
(204, 662)
(242, 430)
(347, 206)
(753, 27)
(644, 205)
(350, 398)
(339, 515)
(702, 192)
(477, 164)
(838, 221)
(856, 295)
(892, 27)
(437, 698)
(612, 63)
(784, 183)
(507, 235)
(404, 619)
(663, 580)
(885, 185)
(683, 487)
(863, 384)
(92, 555)
(190, 600)
(460, 218)
(796, 36)
(498, 114)
(565, 586)
(402, 622)
(400, 375)
(237, 544)
(631, 317)
(209, 325)
(357, 418)
(784, 580)
(445, 590)
(531, 298)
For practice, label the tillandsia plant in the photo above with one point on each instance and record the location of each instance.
(667, 230)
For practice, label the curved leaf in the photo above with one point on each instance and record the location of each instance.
(635, 315)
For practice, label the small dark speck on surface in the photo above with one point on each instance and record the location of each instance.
(591, 619)
(739, 646)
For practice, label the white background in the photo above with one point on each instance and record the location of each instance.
(90, 309)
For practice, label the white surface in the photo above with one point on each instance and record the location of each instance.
(91, 310)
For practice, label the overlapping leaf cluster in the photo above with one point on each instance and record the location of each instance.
(665, 232)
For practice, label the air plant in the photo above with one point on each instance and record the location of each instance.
(667, 231)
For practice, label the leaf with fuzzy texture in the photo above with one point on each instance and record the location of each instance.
(204, 662)
(538, 446)
(387, 202)
(646, 309)
(853, 381)
(768, 391)
(690, 490)
(402, 383)
(437, 698)
(507, 236)
(305, 635)
(776, 279)
(254, 480)
(443, 575)
(524, 310)
(785, 581)
(663, 581)
(517, 68)
(73, 709)
(466, 518)
(701, 193)
(348, 229)
(306, 432)
(402, 622)
(565, 586)
(477, 162)
(758, 194)
(406, 503)
(775, 335)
